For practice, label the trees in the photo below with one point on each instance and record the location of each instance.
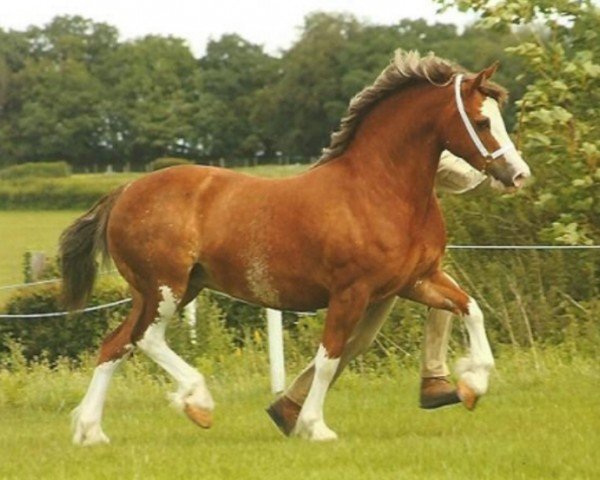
(233, 72)
(151, 101)
(72, 90)
(335, 57)
(52, 108)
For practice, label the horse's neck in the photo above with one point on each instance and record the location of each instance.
(397, 149)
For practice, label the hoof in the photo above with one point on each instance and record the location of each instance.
(437, 392)
(315, 432)
(200, 416)
(467, 395)
(92, 435)
(284, 413)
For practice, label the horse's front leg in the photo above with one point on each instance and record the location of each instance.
(285, 410)
(441, 291)
(344, 311)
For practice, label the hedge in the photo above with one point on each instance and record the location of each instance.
(64, 336)
(37, 170)
(167, 162)
(74, 192)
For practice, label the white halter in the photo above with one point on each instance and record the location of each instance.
(472, 133)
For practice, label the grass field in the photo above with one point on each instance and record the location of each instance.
(24, 231)
(534, 425)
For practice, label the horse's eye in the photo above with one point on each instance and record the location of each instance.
(483, 123)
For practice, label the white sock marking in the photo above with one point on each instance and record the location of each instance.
(311, 424)
(88, 415)
(192, 386)
(475, 368)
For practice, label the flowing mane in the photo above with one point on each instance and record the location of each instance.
(405, 68)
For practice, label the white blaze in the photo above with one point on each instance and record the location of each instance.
(490, 109)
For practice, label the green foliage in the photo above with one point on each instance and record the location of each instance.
(167, 162)
(233, 71)
(153, 101)
(336, 56)
(35, 170)
(59, 193)
(210, 340)
(53, 338)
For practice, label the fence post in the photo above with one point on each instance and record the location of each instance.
(36, 267)
(189, 316)
(276, 359)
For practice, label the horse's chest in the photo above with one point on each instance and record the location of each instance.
(405, 263)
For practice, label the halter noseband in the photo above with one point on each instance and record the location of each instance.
(472, 133)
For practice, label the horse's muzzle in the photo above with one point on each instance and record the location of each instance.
(511, 174)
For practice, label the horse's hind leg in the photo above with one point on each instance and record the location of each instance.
(192, 394)
(87, 416)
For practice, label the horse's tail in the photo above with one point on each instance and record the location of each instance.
(78, 246)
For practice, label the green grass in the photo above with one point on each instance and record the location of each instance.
(24, 231)
(533, 425)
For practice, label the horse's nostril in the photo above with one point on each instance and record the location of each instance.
(519, 180)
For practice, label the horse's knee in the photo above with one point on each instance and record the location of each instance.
(153, 339)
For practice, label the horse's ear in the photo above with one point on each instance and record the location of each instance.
(484, 75)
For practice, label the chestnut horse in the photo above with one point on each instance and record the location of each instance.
(360, 228)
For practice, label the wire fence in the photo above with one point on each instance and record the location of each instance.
(65, 313)
(127, 300)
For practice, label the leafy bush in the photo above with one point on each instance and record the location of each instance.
(64, 336)
(36, 170)
(167, 162)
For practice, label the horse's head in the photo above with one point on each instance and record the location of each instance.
(475, 131)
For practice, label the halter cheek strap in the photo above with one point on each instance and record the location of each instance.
(472, 133)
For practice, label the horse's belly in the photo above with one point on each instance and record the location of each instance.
(256, 286)
(263, 280)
